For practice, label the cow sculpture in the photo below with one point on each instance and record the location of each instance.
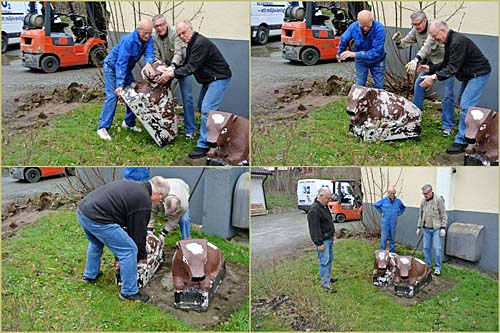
(152, 103)
(198, 268)
(412, 274)
(377, 114)
(481, 134)
(384, 267)
(228, 138)
(146, 269)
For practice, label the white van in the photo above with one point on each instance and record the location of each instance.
(266, 19)
(307, 190)
(13, 13)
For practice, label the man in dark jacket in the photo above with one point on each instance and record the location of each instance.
(205, 61)
(464, 60)
(322, 233)
(103, 213)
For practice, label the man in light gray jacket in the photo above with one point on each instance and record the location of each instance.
(430, 52)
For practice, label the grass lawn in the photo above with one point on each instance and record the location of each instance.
(42, 288)
(280, 202)
(323, 139)
(471, 305)
(72, 140)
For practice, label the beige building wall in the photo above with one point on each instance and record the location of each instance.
(470, 188)
(213, 19)
(473, 18)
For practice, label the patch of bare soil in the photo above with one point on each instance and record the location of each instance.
(438, 285)
(232, 294)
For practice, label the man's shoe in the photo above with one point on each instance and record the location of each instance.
(103, 134)
(330, 290)
(133, 128)
(190, 136)
(333, 280)
(198, 152)
(447, 131)
(135, 297)
(89, 280)
(437, 272)
(456, 148)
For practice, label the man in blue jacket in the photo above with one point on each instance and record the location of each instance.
(118, 67)
(368, 48)
(390, 207)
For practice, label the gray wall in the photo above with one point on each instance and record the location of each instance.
(407, 225)
(488, 46)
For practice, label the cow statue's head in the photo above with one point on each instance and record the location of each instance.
(381, 260)
(404, 266)
(219, 127)
(481, 133)
(194, 257)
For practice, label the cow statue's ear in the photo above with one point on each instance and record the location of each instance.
(235, 117)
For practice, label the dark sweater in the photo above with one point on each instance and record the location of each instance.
(320, 223)
(462, 59)
(123, 202)
(204, 60)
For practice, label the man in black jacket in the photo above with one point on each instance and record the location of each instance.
(103, 213)
(322, 233)
(205, 61)
(464, 60)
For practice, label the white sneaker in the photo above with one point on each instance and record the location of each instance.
(134, 128)
(103, 134)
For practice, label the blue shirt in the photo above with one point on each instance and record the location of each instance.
(127, 53)
(137, 174)
(390, 210)
(370, 48)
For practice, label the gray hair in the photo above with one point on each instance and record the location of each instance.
(159, 18)
(323, 191)
(427, 187)
(440, 25)
(160, 184)
(168, 202)
(187, 23)
(366, 12)
(419, 15)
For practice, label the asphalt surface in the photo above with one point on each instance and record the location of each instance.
(282, 235)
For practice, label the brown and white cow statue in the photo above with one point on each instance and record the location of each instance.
(481, 134)
(152, 103)
(198, 268)
(228, 138)
(384, 267)
(377, 114)
(412, 274)
(146, 269)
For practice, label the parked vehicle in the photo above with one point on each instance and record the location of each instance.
(266, 19)
(307, 190)
(13, 13)
(34, 174)
(347, 200)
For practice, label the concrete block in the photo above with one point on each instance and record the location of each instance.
(465, 241)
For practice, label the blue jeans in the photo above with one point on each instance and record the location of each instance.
(377, 70)
(325, 258)
(432, 241)
(122, 246)
(138, 174)
(448, 114)
(109, 107)
(185, 224)
(388, 228)
(209, 100)
(470, 93)
(186, 87)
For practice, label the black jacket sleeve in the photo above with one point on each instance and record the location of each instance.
(313, 220)
(137, 230)
(457, 55)
(196, 61)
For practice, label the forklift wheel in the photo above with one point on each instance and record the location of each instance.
(97, 55)
(32, 175)
(49, 64)
(309, 57)
(339, 218)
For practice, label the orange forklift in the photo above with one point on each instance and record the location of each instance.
(47, 46)
(309, 36)
(347, 200)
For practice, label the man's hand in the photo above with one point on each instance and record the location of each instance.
(148, 70)
(119, 91)
(419, 232)
(428, 81)
(347, 54)
(167, 75)
(396, 37)
(411, 66)
(321, 248)
(442, 232)
(423, 69)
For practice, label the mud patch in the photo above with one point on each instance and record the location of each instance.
(438, 285)
(232, 294)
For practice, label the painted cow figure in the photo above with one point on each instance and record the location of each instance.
(377, 114)
(481, 134)
(228, 137)
(152, 103)
(384, 267)
(146, 269)
(412, 274)
(198, 268)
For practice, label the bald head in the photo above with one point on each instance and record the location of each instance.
(365, 19)
(439, 31)
(185, 30)
(144, 29)
(391, 192)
